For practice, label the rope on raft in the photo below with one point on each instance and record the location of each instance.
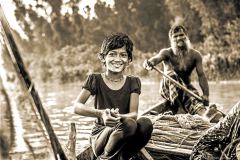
(177, 131)
(224, 155)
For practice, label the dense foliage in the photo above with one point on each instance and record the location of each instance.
(74, 63)
(66, 38)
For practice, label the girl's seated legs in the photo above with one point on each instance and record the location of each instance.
(111, 140)
(138, 140)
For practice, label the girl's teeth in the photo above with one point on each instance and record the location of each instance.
(117, 65)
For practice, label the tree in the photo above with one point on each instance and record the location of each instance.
(152, 18)
(50, 30)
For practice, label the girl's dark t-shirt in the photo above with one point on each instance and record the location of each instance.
(108, 98)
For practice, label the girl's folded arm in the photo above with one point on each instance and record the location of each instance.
(82, 109)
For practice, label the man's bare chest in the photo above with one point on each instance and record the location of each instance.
(183, 64)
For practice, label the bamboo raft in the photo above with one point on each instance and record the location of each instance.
(174, 138)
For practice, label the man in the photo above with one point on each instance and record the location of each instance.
(179, 61)
(222, 140)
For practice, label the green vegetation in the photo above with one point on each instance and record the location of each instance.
(65, 46)
(74, 63)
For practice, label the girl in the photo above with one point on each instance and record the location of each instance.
(117, 134)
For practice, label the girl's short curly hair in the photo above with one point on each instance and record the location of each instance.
(114, 41)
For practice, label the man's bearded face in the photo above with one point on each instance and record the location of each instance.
(179, 41)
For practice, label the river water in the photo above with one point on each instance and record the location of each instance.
(57, 100)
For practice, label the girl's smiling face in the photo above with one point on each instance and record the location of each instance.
(116, 60)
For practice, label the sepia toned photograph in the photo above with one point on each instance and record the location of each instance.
(119, 80)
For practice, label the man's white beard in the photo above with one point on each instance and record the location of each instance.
(183, 49)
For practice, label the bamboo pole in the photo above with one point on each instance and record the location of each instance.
(162, 106)
(177, 151)
(24, 121)
(27, 83)
(6, 123)
(170, 145)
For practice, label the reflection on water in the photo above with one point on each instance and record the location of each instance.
(57, 99)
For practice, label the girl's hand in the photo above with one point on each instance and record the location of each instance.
(115, 112)
(108, 119)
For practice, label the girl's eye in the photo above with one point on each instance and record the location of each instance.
(124, 55)
(111, 54)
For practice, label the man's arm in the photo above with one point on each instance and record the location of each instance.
(162, 55)
(201, 75)
(159, 57)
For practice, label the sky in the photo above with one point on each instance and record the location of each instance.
(8, 9)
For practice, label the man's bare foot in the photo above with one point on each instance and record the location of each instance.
(213, 114)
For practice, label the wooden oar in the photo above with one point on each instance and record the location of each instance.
(27, 83)
(177, 83)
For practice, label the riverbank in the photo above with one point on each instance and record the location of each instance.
(73, 64)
